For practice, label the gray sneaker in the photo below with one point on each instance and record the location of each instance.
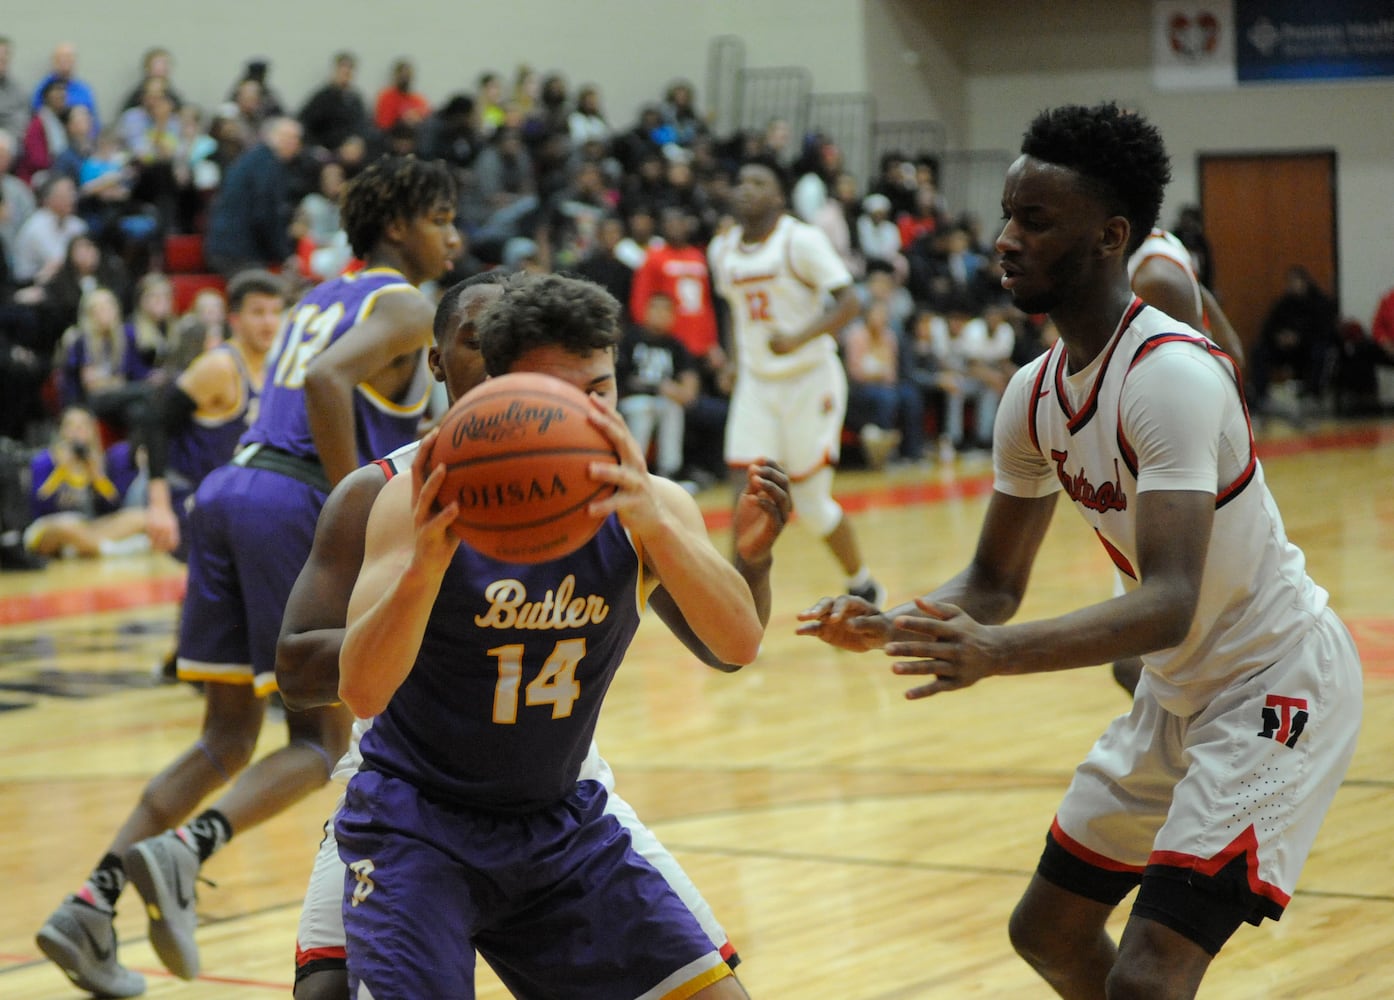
(80, 940)
(164, 869)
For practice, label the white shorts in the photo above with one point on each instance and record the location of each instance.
(796, 421)
(320, 937)
(1252, 775)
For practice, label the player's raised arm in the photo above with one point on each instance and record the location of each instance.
(408, 548)
(712, 595)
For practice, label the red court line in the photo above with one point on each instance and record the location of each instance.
(21, 608)
(17, 962)
(166, 589)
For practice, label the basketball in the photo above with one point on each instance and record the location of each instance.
(517, 451)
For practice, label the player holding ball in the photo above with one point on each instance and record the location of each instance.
(467, 807)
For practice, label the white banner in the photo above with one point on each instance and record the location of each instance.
(1193, 44)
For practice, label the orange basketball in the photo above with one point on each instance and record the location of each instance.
(517, 451)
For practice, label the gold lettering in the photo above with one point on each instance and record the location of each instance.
(510, 608)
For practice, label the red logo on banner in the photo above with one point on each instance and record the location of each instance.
(1194, 37)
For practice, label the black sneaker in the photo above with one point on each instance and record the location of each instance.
(872, 592)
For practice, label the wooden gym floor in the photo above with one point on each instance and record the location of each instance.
(856, 846)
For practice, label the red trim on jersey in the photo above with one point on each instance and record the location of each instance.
(318, 954)
(1038, 394)
(1075, 420)
(1246, 844)
(387, 467)
(1086, 855)
(1119, 559)
(1246, 474)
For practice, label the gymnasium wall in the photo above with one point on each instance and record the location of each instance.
(631, 48)
(1012, 65)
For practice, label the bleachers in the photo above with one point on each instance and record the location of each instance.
(188, 274)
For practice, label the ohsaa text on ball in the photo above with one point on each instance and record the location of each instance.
(487, 496)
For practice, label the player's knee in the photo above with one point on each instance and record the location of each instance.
(1143, 977)
(1029, 937)
(815, 505)
(229, 750)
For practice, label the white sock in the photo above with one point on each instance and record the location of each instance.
(862, 578)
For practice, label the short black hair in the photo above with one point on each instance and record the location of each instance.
(1119, 154)
(448, 308)
(576, 315)
(773, 166)
(253, 282)
(392, 187)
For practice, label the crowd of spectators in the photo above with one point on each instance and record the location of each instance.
(92, 191)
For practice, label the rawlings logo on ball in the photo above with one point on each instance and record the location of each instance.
(514, 421)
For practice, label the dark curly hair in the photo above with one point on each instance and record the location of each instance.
(1118, 153)
(546, 310)
(392, 187)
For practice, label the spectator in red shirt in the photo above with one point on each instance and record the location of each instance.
(398, 102)
(1382, 328)
(679, 271)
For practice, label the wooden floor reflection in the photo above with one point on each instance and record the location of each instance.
(855, 846)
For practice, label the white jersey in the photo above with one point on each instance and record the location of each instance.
(1160, 409)
(1160, 243)
(778, 285)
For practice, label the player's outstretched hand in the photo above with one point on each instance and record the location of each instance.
(435, 542)
(762, 511)
(846, 622)
(633, 500)
(945, 643)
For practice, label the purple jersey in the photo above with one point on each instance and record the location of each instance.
(499, 709)
(324, 315)
(58, 488)
(208, 442)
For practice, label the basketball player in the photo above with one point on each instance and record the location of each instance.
(197, 420)
(1208, 795)
(346, 381)
(1164, 276)
(468, 806)
(307, 665)
(776, 274)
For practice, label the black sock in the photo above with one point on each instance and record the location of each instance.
(207, 832)
(105, 883)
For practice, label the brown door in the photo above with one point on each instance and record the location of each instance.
(1263, 213)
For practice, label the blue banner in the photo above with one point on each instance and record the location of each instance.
(1306, 40)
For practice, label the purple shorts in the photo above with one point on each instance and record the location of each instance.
(250, 533)
(556, 901)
